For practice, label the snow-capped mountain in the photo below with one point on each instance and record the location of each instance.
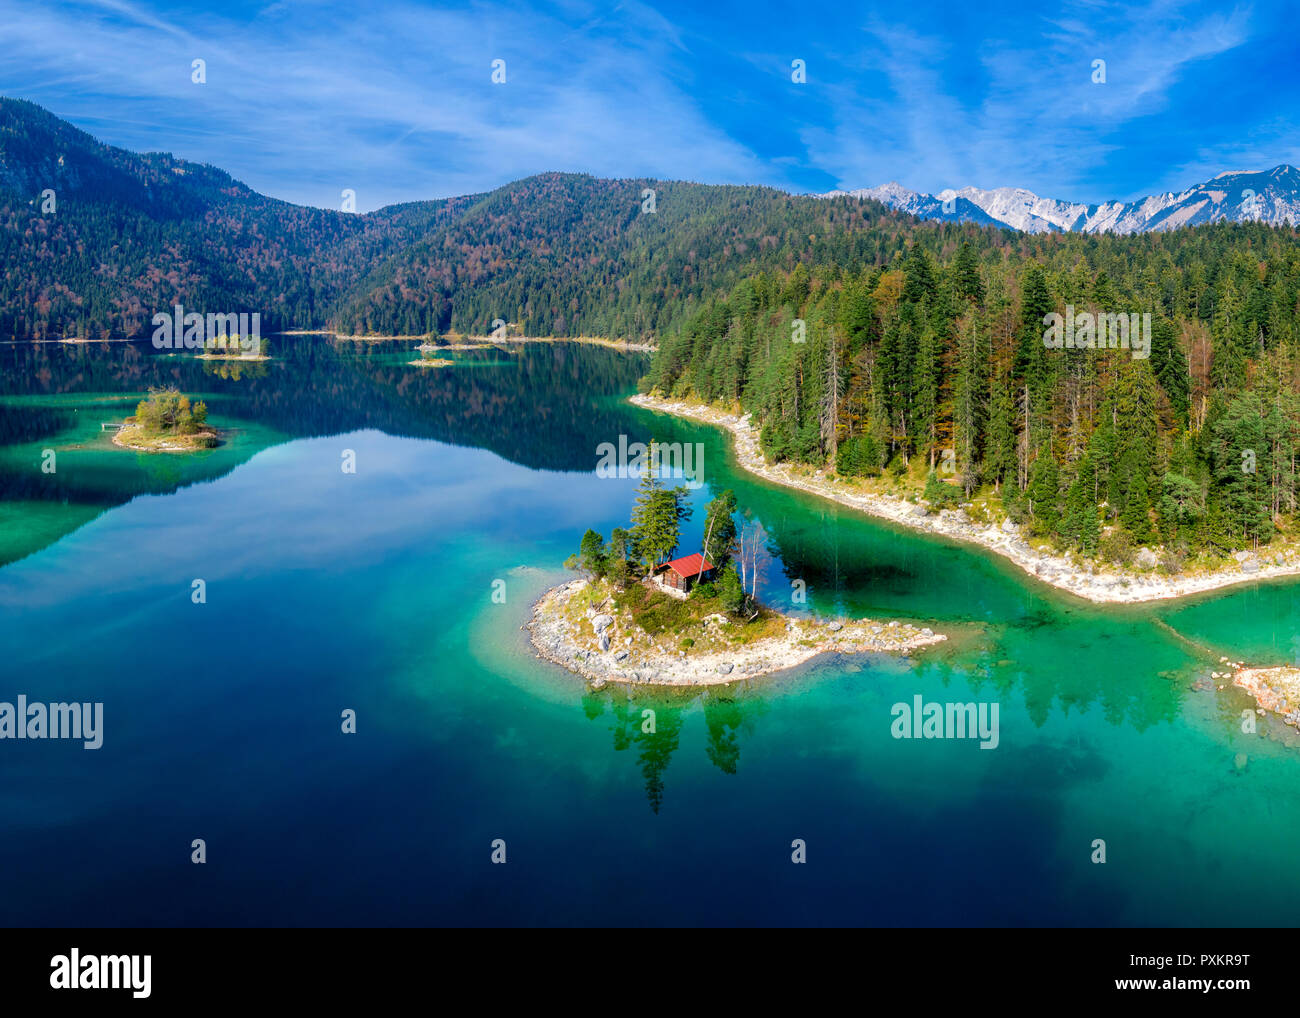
(1269, 196)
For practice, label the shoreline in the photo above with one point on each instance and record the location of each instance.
(604, 648)
(1275, 689)
(479, 342)
(1099, 584)
(162, 446)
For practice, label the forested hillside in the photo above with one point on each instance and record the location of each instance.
(564, 254)
(129, 235)
(859, 337)
(556, 254)
(939, 353)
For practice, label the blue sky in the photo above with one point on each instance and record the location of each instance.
(395, 100)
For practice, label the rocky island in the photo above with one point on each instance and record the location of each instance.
(167, 421)
(640, 616)
(1274, 689)
(608, 635)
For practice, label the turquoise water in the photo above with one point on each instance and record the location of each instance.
(372, 592)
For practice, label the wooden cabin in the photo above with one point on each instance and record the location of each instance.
(684, 573)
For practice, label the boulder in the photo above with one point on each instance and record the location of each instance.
(835, 627)
(726, 668)
(621, 656)
(1250, 566)
(1146, 559)
(604, 641)
(602, 622)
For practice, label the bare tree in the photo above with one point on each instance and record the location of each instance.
(753, 538)
(831, 395)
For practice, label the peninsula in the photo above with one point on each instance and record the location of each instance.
(1096, 579)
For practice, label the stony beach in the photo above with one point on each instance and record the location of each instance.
(1085, 578)
(1274, 689)
(603, 646)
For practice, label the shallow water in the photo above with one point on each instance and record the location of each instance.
(372, 592)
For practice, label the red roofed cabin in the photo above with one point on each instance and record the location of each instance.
(683, 573)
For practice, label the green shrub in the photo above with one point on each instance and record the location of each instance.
(940, 494)
(1117, 547)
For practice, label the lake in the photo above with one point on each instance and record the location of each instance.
(372, 592)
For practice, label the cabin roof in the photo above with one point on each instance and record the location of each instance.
(689, 565)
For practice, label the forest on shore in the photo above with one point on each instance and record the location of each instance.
(942, 355)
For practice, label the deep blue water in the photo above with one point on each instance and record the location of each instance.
(372, 592)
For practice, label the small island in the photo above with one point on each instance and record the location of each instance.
(236, 348)
(428, 359)
(167, 421)
(637, 615)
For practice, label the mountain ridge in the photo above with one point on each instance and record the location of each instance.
(1270, 196)
(558, 254)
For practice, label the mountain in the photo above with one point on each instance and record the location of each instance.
(1268, 196)
(923, 206)
(561, 254)
(131, 234)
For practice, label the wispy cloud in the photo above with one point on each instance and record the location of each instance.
(396, 102)
(1019, 109)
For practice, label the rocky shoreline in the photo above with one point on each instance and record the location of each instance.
(1274, 689)
(128, 437)
(1083, 578)
(604, 647)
